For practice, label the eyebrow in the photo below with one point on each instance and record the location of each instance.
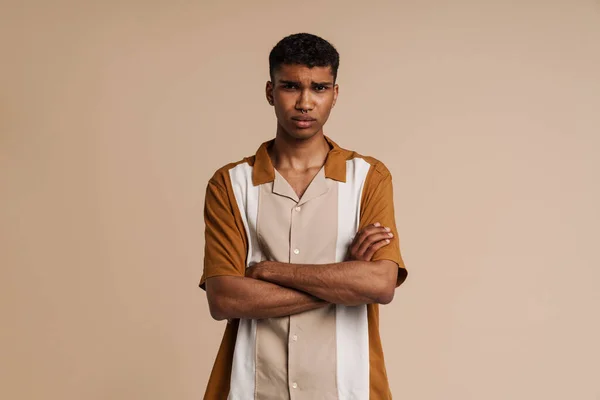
(323, 83)
(313, 83)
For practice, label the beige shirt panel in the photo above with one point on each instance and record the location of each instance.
(296, 355)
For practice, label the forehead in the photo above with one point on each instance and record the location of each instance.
(302, 73)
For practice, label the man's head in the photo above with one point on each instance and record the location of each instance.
(303, 70)
(304, 49)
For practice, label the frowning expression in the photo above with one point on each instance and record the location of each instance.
(303, 98)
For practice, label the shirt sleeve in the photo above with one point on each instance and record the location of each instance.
(225, 237)
(378, 206)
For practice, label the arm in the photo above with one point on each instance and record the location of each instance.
(370, 278)
(239, 297)
(230, 294)
(349, 283)
(232, 297)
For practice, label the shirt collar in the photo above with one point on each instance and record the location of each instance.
(335, 164)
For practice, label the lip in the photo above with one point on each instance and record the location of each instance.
(303, 118)
(303, 123)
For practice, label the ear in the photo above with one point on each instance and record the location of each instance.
(336, 90)
(269, 92)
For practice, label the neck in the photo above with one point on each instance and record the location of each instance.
(288, 153)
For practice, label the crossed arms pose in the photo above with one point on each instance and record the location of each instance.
(273, 289)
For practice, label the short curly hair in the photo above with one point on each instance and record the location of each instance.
(304, 49)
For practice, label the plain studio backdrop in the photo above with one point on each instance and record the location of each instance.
(113, 116)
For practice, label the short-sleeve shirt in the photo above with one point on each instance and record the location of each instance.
(252, 214)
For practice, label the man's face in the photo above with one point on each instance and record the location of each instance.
(298, 87)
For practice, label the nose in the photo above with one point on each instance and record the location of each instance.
(304, 101)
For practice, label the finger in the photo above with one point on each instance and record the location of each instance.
(376, 237)
(366, 232)
(369, 237)
(360, 237)
(363, 234)
(372, 249)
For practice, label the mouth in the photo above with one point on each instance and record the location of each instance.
(303, 118)
(303, 121)
(303, 124)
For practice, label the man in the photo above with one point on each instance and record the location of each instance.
(283, 260)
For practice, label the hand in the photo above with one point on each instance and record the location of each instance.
(367, 241)
(257, 270)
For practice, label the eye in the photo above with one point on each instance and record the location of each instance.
(320, 88)
(289, 86)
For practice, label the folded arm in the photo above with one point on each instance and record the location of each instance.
(349, 283)
(232, 297)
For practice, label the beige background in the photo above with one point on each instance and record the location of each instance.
(113, 115)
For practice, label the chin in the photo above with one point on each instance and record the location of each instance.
(302, 133)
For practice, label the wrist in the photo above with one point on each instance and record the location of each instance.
(264, 270)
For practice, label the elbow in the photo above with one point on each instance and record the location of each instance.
(216, 313)
(385, 290)
(217, 316)
(386, 273)
(386, 295)
(217, 309)
(220, 302)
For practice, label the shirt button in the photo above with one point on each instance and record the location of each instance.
(295, 385)
(295, 338)
(296, 251)
(298, 208)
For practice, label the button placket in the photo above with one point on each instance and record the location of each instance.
(295, 250)
(292, 357)
(296, 256)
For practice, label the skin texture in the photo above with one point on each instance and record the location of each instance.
(250, 297)
(296, 88)
(232, 297)
(299, 152)
(349, 283)
(273, 289)
(368, 241)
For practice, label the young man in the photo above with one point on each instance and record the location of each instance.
(301, 248)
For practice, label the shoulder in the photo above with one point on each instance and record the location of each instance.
(378, 170)
(377, 167)
(221, 177)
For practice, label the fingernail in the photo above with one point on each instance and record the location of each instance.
(391, 234)
(387, 229)
(377, 224)
(387, 240)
